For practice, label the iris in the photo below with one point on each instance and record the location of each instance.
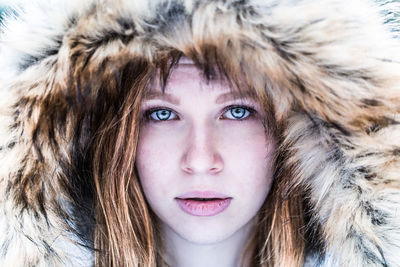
(238, 112)
(162, 114)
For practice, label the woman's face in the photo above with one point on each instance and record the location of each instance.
(204, 161)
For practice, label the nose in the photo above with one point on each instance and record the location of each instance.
(201, 155)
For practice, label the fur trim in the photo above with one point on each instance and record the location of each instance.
(331, 68)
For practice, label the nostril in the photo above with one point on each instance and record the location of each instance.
(211, 167)
(188, 170)
(215, 170)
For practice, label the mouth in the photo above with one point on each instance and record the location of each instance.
(202, 199)
(203, 203)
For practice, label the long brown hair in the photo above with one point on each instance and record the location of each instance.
(125, 232)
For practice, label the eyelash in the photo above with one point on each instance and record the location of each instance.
(147, 113)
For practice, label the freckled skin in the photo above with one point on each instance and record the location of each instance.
(201, 148)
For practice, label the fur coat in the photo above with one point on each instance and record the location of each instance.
(331, 68)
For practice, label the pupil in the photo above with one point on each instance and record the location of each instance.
(237, 112)
(163, 114)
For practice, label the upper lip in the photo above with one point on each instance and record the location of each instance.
(202, 194)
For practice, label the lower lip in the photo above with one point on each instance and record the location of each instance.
(203, 208)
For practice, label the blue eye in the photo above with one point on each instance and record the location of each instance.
(237, 113)
(162, 115)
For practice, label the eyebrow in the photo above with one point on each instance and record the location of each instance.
(234, 95)
(163, 96)
(229, 96)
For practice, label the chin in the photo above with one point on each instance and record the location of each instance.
(205, 237)
(204, 233)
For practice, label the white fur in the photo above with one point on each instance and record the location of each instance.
(349, 35)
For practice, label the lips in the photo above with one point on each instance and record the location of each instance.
(203, 203)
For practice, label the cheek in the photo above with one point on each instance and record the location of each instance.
(256, 180)
(256, 169)
(249, 157)
(154, 159)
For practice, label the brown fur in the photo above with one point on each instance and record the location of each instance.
(330, 77)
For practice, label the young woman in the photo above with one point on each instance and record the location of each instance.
(200, 133)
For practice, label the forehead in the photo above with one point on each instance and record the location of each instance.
(186, 79)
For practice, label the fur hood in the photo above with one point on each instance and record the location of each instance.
(331, 69)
